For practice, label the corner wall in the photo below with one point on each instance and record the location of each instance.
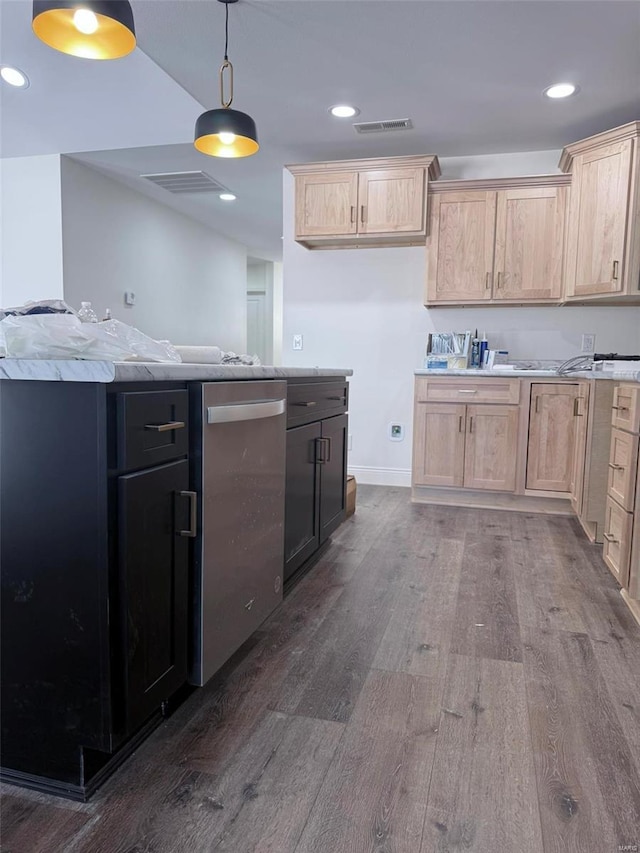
(363, 308)
(190, 283)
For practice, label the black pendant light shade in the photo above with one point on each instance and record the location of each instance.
(225, 132)
(91, 29)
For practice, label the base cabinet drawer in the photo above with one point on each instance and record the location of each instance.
(617, 541)
(626, 408)
(457, 390)
(623, 467)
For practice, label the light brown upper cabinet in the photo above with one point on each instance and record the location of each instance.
(360, 203)
(550, 452)
(496, 241)
(603, 239)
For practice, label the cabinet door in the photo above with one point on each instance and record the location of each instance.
(153, 559)
(391, 200)
(302, 497)
(598, 220)
(550, 452)
(438, 449)
(529, 243)
(490, 448)
(617, 541)
(326, 204)
(332, 459)
(581, 423)
(460, 246)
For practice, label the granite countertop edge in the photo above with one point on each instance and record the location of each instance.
(70, 370)
(618, 375)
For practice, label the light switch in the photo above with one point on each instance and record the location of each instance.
(129, 297)
(297, 341)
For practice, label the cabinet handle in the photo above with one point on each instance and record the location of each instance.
(321, 444)
(249, 604)
(192, 532)
(471, 424)
(306, 405)
(467, 391)
(576, 407)
(487, 281)
(614, 271)
(342, 399)
(171, 425)
(460, 424)
(499, 284)
(616, 467)
(353, 214)
(620, 408)
(362, 213)
(538, 406)
(611, 539)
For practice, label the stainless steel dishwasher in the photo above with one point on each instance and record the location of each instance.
(239, 472)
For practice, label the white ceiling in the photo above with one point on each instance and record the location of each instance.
(469, 73)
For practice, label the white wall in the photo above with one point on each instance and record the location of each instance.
(363, 309)
(190, 283)
(30, 229)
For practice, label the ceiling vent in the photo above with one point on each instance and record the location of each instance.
(186, 182)
(383, 126)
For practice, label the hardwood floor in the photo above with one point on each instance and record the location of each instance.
(443, 680)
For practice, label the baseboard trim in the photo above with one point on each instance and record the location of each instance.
(369, 476)
(632, 603)
(490, 500)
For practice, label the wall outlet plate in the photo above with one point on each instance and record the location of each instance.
(129, 297)
(396, 432)
(297, 342)
(588, 342)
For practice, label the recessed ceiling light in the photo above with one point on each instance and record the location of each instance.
(343, 111)
(14, 77)
(560, 90)
(227, 197)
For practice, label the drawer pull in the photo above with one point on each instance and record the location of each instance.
(467, 391)
(611, 539)
(168, 427)
(616, 467)
(192, 532)
(342, 399)
(249, 604)
(306, 405)
(620, 408)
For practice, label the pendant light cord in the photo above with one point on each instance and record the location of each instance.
(226, 33)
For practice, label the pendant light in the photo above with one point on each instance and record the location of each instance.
(91, 29)
(225, 132)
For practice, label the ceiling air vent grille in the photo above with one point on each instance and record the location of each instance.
(185, 182)
(383, 126)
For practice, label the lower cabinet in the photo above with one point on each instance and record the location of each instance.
(473, 446)
(316, 475)
(550, 453)
(153, 581)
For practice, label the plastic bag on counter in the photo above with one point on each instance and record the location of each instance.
(42, 306)
(65, 336)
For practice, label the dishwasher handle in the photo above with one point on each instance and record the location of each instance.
(245, 411)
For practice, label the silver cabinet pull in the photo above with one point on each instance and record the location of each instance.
(470, 425)
(321, 444)
(342, 399)
(307, 404)
(538, 406)
(362, 213)
(249, 604)
(611, 539)
(614, 271)
(487, 281)
(245, 411)
(616, 467)
(460, 419)
(170, 425)
(467, 391)
(193, 508)
(353, 214)
(620, 408)
(499, 285)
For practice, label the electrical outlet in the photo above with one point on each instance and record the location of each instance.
(129, 297)
(297, 341)
(396, 432)
(588, 343)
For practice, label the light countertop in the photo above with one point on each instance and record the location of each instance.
(71, 370)
(618, 375)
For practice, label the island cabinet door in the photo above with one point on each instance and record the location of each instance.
(332, 459)
(438, 455)
(154, 524)
(490, 448)
(302, 496)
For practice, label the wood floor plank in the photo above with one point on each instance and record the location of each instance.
(29, 826)
(420, 628)
(375, 792)
(486, 616)
(574, 815)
